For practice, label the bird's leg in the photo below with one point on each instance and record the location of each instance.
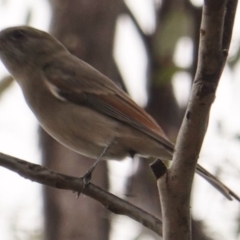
(88, 175)
(130, 180)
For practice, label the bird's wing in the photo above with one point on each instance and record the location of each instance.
(79, 83)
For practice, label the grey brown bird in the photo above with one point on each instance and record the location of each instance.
(80, 107)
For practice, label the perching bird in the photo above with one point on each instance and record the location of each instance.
(80, 107)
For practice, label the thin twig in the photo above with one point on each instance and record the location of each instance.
(146, 38)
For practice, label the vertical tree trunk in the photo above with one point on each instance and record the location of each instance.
(86, 28)
(173, 21)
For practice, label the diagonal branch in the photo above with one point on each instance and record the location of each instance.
(49, 178)
(146, 38)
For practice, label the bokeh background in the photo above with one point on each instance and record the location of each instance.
(149, 48)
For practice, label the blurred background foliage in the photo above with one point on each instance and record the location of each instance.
(150, 49)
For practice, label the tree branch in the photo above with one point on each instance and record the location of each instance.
(49, 178)
(175, 185)
(146, 38)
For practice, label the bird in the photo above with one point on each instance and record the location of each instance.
(79, 106)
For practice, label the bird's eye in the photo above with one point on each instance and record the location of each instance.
(18, 34)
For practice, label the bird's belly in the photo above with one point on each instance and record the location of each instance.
(88, 134)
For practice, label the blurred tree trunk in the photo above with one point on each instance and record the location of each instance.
(86, 28)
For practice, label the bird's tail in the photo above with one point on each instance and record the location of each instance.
(228, 193)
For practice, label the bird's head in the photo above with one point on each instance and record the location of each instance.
(25, 47)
